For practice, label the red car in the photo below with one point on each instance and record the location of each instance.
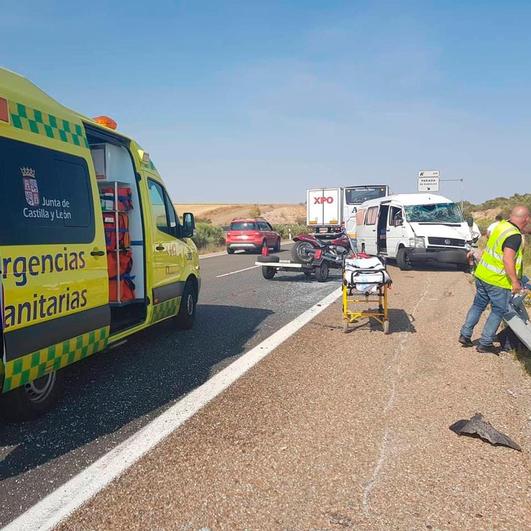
(251, 235)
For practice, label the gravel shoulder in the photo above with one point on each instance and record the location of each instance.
(337, 430)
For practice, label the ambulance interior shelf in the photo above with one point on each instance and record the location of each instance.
(113, 164)
(117, 204)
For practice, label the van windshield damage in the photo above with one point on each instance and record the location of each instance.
(434, 213)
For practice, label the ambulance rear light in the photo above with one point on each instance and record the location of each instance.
(106, 121)
(4, 110)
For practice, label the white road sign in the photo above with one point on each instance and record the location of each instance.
(429, 173)
(428, 184)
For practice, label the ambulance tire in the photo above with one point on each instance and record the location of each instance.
(186, 316)
(32, 400)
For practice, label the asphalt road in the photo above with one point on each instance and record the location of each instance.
(345, 431)
(112, 395)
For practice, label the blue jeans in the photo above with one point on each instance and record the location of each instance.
(499, 300)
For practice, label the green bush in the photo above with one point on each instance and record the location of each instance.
(208, 235)
(255, 212)
(284, 229)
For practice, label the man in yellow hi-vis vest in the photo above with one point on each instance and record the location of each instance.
(498, 275)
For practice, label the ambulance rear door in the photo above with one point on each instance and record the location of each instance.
(52, 256)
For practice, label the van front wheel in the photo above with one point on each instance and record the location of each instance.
(402, 261)
(32, 399)
(186, 316)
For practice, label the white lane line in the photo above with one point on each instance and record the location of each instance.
(212, 255)
(239, 271)
(59, 504)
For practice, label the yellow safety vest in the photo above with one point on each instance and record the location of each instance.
(490, 268)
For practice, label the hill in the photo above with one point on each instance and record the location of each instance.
(488, 210)
(223, 214)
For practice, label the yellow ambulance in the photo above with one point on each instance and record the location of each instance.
(91, 248)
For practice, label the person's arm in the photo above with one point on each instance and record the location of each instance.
(509, 259)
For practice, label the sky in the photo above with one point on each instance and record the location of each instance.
(258, 100)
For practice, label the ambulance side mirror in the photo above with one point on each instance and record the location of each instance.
(470, 221)
(188, 226)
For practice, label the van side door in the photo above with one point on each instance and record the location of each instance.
(370, 239)
(395, 230)
(168, 253)
(52, 260)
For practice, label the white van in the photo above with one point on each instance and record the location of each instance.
(414, 228)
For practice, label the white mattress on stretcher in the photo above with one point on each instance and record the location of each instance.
(365, 274)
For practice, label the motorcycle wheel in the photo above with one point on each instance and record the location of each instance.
(300, 252)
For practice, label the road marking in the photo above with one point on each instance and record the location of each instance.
(62, 502)
(211, 255)
(395, 377)
(239, 271)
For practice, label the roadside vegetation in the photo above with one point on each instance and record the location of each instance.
(208, 238)
(484, 214)
(211, 238)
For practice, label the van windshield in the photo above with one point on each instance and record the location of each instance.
(434, 213)
(243, 225)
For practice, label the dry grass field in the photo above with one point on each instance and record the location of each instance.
(223, 214)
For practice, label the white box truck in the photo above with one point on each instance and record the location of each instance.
(330, 209)
(324, 209)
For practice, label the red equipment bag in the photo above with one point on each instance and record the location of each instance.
(126, 263)
(127, 289)
(123, 203)
(109, 222)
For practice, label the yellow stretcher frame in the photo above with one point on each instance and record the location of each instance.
(356, 298)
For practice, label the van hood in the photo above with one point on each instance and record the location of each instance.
(441, 230)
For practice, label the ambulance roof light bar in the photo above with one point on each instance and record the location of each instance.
(106, 121)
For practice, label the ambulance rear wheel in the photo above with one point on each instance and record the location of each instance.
(186, 316)
(33, 399)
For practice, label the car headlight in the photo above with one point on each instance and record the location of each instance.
(417, 241)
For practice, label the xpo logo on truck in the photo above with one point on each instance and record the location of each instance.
(323, 200)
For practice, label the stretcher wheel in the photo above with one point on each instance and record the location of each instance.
(346, 327)
(386, 326)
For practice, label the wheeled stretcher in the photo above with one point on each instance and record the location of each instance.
(365, 280)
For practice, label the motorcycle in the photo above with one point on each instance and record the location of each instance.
(309, 247)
